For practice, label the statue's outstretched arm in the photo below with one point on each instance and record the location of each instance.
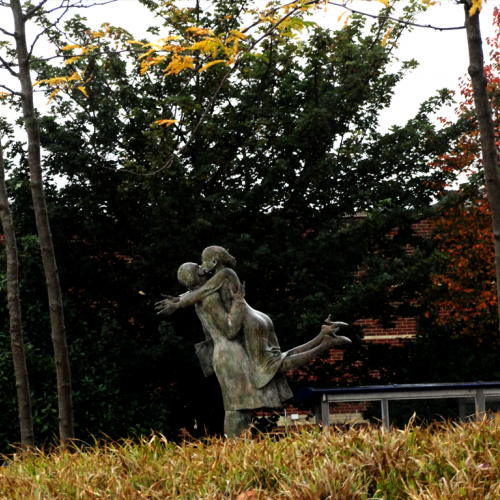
(172, 304)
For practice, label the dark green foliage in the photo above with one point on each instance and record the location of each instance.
(282, 164)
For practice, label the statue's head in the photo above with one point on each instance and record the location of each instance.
(212, 256)
(191, 276)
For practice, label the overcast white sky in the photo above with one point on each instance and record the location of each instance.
(442, 55)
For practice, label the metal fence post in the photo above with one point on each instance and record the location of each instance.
(480, 402)
(325, 411)
(317, 410)
(384, 403)
(461, 410)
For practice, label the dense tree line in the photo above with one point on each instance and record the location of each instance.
(288, 155)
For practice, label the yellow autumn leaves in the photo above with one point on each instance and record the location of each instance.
(64, 83)
(180, 53)
(83, 50)
(165, 122)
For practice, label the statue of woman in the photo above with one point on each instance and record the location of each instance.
(247, 358)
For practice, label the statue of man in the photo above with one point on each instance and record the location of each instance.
(246, 358)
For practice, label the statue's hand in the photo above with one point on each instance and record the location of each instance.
(167, 306)
(238, 292)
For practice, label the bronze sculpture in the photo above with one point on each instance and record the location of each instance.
(241, 348)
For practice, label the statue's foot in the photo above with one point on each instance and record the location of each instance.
(332, 327)
(337, 324)
(339, 340)
(336, 341)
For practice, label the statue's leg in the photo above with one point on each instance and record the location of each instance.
(307, 347)
(329, 329)
(236, 422)
(294, 361)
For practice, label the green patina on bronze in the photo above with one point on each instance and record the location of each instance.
(241, 346)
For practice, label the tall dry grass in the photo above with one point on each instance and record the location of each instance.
(443, 461)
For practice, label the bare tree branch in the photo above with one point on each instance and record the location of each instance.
(8, 67)
(95, 4)
(65, 5)
(45, 59)
(344, 6)
(46, 29)
(400, 21)
(272, 11)
(78, 5)
(5, 32)
(10, 90)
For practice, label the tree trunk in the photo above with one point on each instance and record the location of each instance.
(42, 223)
(16, 332)
(486, 129)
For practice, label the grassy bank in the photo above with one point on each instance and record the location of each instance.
(444, 461)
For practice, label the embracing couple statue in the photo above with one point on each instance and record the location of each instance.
(241, 347)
